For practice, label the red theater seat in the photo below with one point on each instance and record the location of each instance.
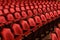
(17, 9)
(36, 6)
(58, 6)
(35, 11)
(21, 4)
(52, 9)
(51, 5)
(55, 8)
(7, 34)
(48, 9)
(30, 14)
(2, 19)
(38, 20)
(53, 36)
(6, 11)
(40, 11)
(24, 14)
(58, 12)
(44, 6)
(32, 7)
(12, 6)
(44, 10)
(22, 8)
(12, 10)
(1, 7)
(25, 27)
(1, 13)
(32, 24)
(26, 4)
(17, 15)
(43, 18)
(48, 17)
(52, 15)
(48, 5)
(27, 7)
(40, 6)
(10, 17)
(55, 5)
(17, 30)
(55, 14)
(57, 30)
(30, 4)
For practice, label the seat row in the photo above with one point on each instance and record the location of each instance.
(16, 11)
(31, 5)
(17, 31)
(9, 18)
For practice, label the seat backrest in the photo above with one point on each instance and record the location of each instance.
(53, 36)
(7, 34)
